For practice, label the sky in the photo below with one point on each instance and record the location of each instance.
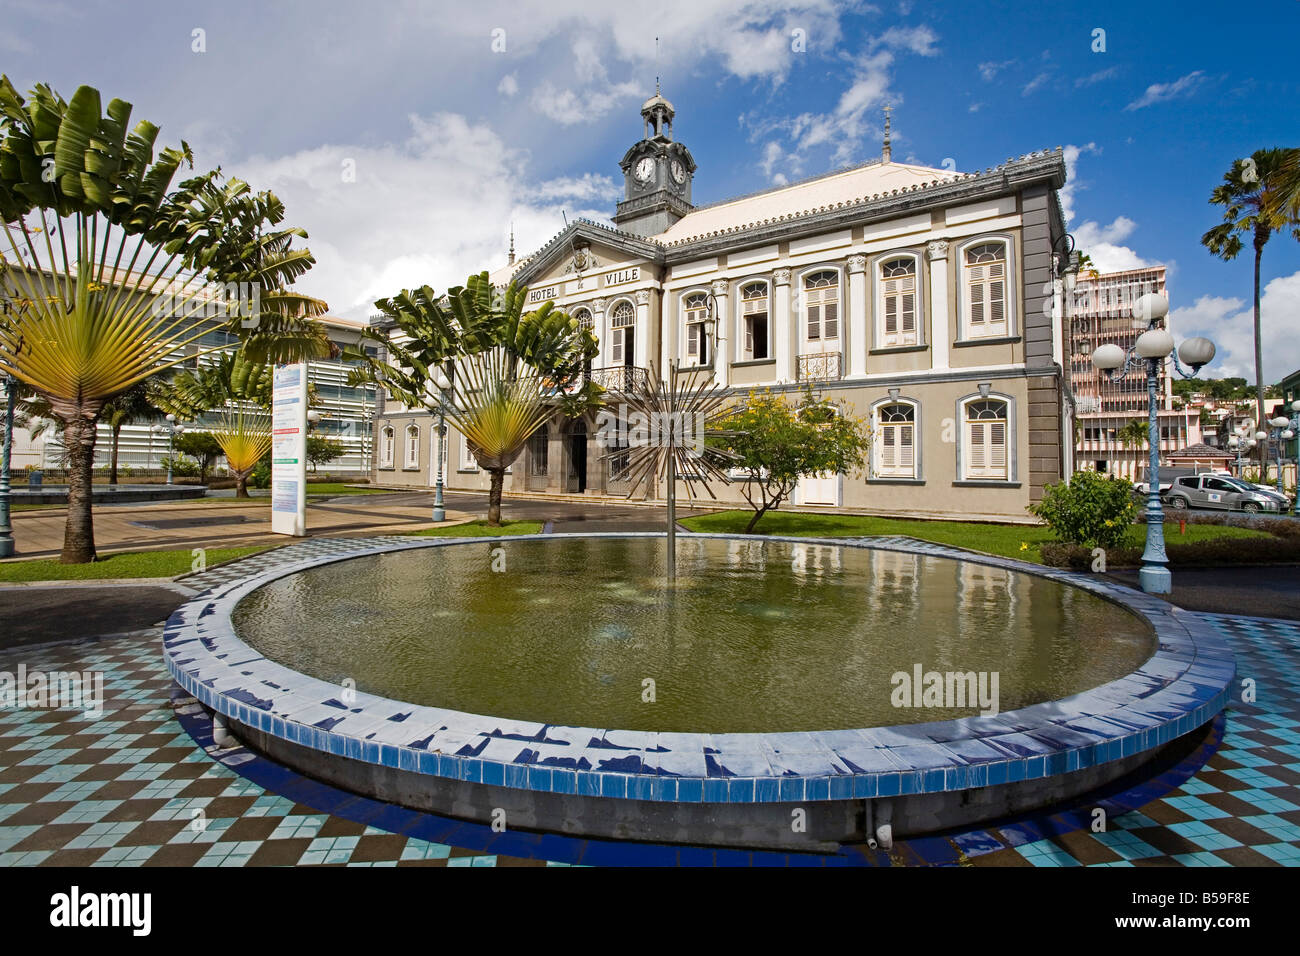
(407, 137)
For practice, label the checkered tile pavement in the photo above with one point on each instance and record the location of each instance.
(142, 786)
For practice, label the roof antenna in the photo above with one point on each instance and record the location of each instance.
(885, 151)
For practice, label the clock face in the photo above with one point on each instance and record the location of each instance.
(679, 172)
(645, 169)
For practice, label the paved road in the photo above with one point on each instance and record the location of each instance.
(38, 614)
(1253, 592)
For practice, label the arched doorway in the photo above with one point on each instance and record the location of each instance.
(576, 448)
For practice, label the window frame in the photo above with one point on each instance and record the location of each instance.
(1010, 457)
(700, 359)
(1010, 284)
(744, 332)
(878, 443)
(618, 335)
(387, 446)
(879, 333)
(411, 456)
(804, 291)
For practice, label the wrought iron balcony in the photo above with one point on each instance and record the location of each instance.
(820, 367)
(620, 378)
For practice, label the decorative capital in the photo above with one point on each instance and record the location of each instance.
(598, 305)
(720, 287)
(938, 249)
(642, 296)
(857, 263)
(781, 276)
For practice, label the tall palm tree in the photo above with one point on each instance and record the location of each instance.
(1249, 197)
(1285, 192)
(1134, 434)
(129, 407)
(94, 235)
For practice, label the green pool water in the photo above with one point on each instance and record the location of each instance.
(753, 637)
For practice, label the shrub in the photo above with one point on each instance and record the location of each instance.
(1214, 552)
(261, 474)
(1090, 509)
(182, 467)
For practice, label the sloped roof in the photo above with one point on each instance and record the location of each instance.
(1200, 450)
(846, 185)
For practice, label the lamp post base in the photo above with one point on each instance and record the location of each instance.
(6, 546)
(1155, 579)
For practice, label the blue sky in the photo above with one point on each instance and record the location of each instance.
(450, 138)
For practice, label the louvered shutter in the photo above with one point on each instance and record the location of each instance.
(906, 457)
(977, 314)
(616, 346)
(831, 317)
(814, 315)
(975, 447)
(888, 449)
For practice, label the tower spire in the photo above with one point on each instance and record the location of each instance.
(885, 150)
(511, 259)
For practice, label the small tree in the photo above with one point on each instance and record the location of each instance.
(1090, 509)
(322, 450)
(776, 442)
(200, 446)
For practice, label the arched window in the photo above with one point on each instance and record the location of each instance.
(387, 442)
(587, 323)
(622, 343)
(987, 307)
(898, 308)
(412, 446)
(822, 305)
(754, 320)
(986, 439)
(896, 442)
(695, 313)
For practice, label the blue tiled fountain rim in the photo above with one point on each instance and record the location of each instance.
(1183, 685)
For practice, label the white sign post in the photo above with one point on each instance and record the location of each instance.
(289, 450)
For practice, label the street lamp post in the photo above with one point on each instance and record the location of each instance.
(173, 429)
(6, 530)
(442, 379)
(1149, 352)
(1284, 429)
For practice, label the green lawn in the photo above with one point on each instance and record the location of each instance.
(339, 488)
(480, 529)
(127, 564)
(1013, 541)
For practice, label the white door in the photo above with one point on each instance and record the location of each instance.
(819, 490)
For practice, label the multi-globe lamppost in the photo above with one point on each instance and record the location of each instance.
(1284, 429)
(1242, 442)
(1153, 346)
(6, 530)
(442, 379)
(173, 428)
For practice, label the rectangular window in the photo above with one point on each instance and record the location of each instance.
(412, 447)
(986, 281)
(753, 313)
(897, 455)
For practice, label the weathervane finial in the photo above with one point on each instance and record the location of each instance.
(886, 150)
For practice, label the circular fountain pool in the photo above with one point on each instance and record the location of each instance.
(754, 636)
(555, 683)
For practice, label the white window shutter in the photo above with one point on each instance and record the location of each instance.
(975, 448)
(616, 347)
(906, 457)
(814, 317)
(692, 340)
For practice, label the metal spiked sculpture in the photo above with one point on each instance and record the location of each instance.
(668, 424)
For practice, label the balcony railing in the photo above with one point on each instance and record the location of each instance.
(821, 367)
(620, 378)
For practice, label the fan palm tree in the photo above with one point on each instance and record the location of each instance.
(1134, 434)
(244, 434)
(94, 234)
(507, 365)
(1249, 195)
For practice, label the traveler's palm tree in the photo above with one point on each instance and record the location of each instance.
(238, 388)
(506, 366)
(94, 233)
(1249, 195)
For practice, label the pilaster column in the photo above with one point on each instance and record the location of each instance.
(722, 331)
(941, 318)
(784, 327)
(600, 323)
(643, 329)
(859, 337)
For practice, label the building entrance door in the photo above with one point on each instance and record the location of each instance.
(578, 457)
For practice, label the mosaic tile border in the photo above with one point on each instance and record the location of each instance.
(1183, 685)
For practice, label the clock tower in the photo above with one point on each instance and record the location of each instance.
(656, 174)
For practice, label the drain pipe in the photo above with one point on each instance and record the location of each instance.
(221, 735)
(880, 830)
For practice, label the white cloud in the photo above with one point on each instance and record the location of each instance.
(1097, 77)
(1163, 92)
(1071, 155)
(844, 127)
(991, 69)
(1229, 322)
(509, 85)
(1035, 84)
(1102, 243)
(431, 208)
(974, 108)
